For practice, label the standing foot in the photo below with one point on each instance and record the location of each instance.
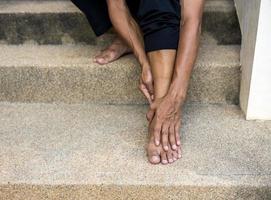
(113, 52)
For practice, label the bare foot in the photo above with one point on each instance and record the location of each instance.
(156, 154)
(113, 52)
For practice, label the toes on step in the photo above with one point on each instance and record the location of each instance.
(154, 159)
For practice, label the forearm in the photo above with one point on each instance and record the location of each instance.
(127, 28)
(186, 56)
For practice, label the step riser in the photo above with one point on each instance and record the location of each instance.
(18, 192)
(115, 85)
(64, 28)
(60, 28)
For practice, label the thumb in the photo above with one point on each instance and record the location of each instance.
(150, 115)
(151, 112)
(151, 90)
(145, 92)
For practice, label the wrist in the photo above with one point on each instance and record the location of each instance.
(145, 66)
(177, 92)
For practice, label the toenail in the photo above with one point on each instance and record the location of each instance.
(155, 158)
(178, 143)
(164, 161)
(174, 159)
(166, 148)
(170, 160)
(179, 156)
(174, 146)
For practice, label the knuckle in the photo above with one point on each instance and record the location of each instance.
(140, 86)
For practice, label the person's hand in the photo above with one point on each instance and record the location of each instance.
(146, 84)
(164, 116)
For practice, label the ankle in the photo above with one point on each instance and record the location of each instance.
(158, 99)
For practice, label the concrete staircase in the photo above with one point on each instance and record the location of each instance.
(71, 129)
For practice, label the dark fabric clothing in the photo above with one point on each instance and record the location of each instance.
(159, 20)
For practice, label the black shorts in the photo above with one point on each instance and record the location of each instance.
(159, 20)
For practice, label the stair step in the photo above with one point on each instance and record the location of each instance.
(97, 152)
(60, 22)
(66, 73)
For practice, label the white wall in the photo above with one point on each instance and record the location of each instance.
(255, 22)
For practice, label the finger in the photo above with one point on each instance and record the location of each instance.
(157, 132)
(151, 90)
(172, 137)
(165, 136)
(177, 133)
(145, 92)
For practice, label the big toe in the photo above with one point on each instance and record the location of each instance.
(153, 154)
(154, 159)
(101, 59)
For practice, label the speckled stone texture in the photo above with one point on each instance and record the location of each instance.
(97, 152)
(66, 73)
(60, 22)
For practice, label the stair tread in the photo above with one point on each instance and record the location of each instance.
(81, 56)
(56, 144)
(67, 73)
(25, 6)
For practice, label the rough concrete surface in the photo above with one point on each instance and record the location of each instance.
(97, 152)
(31, 73)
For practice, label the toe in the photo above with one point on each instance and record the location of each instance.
(175, 155)
(153, 154)
(100, 61)
(164, 158)
(154, 159)
(179, 153)
(170, 157)
(103, 60)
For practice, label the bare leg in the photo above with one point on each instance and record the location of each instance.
(162, 65)
(113, 52)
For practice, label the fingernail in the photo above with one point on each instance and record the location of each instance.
(174, 146)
